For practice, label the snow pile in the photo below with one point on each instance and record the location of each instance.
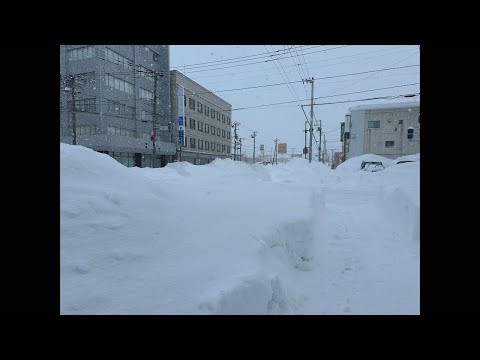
(354, 164)
(235, 238)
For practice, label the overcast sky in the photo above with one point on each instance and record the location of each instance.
(225, 67)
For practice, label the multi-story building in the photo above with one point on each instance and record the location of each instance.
(389, 130)
(114, 92)
(203, 121)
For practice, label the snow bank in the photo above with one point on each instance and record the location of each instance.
(234, 238)
(354, 164)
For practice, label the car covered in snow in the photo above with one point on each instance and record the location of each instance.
(372, 166)
(403, 161)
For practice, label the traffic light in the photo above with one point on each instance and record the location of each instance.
(410, 133)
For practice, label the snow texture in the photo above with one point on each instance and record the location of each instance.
(236, 238)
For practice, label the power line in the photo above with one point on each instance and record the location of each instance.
(235, 59)
(321, 97)
(312, 62)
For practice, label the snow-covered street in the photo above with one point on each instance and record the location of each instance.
(237, 238)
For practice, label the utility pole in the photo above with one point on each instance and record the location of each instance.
(253, 136)
(305, 147)
(74, 123)
(324, 149)
(319, 142)
(235, 141)
(240, 142)
(275, 156)
(311, 120)
(154, 131)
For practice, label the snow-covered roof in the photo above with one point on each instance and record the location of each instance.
(412, 104)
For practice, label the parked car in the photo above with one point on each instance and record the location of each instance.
(372, 166)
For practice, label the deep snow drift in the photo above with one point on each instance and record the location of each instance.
(234, 238)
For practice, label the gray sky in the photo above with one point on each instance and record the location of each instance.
(225, 67)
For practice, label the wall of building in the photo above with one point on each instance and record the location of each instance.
(393, 122)
(109, 130)
(222, 121)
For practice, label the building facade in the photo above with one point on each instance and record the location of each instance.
(114, 90)
(389, 130)
(203, 121)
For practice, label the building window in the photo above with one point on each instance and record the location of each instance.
(218, 147)
(184, 100)
(212, 113)
(223, 117)
(207, 110)
(200, 126)
(82, 53)
(374, 124)
(112, 130)
(213, 130)
(119, 84)
(400, 121)
(84, 105)
(212, 147)
(117, 59)
(228, 149)
(389, 144)
(192, 143)
(145, 73)
(223, 133)
(146, 116)
(207, 128)
(199, 107)
(223, 148)
(191, 104)
(228, 134)
(192, 123)
(218, 116)
(207, 145)
(200, 144)
(145, 94)
(228, 120)
(87, 130)
(218, 131)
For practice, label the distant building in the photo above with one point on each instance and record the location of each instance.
(389, 130)
(206, 118)
(114, 101)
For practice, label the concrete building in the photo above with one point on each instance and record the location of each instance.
(389, 130)
(206, 120)
(114, 102)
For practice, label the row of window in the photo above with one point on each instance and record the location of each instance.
(207, 127)
(208, 111)
(119, 84)
(80, 53)
(144, 72)
(147, 95)
(84, 105)
(206, 145)
(117, 59)
(112, 130)
(114, 107)
(87, 130)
